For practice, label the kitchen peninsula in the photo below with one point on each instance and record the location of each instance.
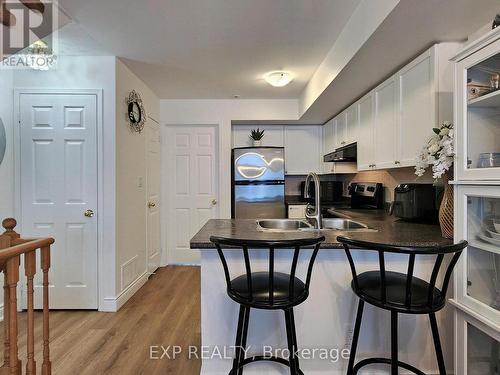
(324, 322)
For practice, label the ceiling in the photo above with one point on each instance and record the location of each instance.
(412, 27)
(191, 49)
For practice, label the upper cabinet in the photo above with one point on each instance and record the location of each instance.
(365, 132)
(385, 125)
(273, 135)
(340, 130)
(302, 149)
(351, 124)
(392, 123)
(478, 110)
(304, 144)
(417, 96)
(328, 135)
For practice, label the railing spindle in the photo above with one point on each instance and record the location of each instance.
(12, 246)
(6, 334)
(30, 270)
(46, 366)
(12, 270)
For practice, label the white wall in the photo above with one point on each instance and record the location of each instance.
(6, 168)
(90, 72)
(221, 113)
(131, 252)
(364, 21)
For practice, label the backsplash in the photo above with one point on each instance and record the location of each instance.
(390, 178)
(292, 183)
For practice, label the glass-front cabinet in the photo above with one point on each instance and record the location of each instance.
(477, 206)
(477, 347)
(478, 110)
(477, 281)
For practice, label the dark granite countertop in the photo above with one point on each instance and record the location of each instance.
(389, 231)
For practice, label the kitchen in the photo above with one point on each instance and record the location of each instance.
(354, 176)
(303, 187)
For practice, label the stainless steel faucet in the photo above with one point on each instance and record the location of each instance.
(313, 212)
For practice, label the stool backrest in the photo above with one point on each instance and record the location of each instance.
(454, 250)
(232, 244)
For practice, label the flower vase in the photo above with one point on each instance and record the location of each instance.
(446, 208)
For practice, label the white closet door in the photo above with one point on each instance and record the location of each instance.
(153, 158)
(58, 188)
(192, 188)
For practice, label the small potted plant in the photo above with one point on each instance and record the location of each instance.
(256, 135)
(439, 153)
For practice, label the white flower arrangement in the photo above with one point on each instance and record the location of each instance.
(438, 152)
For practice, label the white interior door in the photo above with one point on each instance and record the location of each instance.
(153, 194)
(192, 184)
(58, 176)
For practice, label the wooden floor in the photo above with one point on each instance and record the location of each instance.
(165, 311)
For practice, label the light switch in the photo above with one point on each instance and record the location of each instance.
(139, 182)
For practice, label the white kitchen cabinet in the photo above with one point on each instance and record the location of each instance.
(395, 120)
(351, 124)
(385, 124)
(477, 278)
(328, 133)
(365, 132)
(478, 116)
(417, 107)
(340, 130)
(273, 135)
(477, 208)
(477, 346)
(302, 149)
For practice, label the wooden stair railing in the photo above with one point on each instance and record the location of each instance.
(12, 246)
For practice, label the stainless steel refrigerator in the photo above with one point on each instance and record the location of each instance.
(258, 187)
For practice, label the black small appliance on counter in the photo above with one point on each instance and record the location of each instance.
(416, 202)
(366, 195)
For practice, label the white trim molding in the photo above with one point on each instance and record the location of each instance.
(113, 304)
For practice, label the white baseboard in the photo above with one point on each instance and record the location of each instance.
(113, 304)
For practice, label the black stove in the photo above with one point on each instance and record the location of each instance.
(367, 195)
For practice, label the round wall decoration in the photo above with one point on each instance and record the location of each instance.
(136, 113)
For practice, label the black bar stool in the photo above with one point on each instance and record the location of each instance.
(400, 293)
(268, 290)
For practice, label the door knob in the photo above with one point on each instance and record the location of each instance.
(214, 202)
(151, 204)
(89, 213)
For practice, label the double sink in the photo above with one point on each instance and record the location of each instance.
(329, 224)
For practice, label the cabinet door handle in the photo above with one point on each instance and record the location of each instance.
(397, 162)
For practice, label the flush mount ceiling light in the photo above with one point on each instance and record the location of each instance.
(278, 78)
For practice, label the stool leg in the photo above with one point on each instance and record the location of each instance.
(238, 348)
(244, 338)
(292, 341)
(437, 344)
(355, 337)
(394, 343)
